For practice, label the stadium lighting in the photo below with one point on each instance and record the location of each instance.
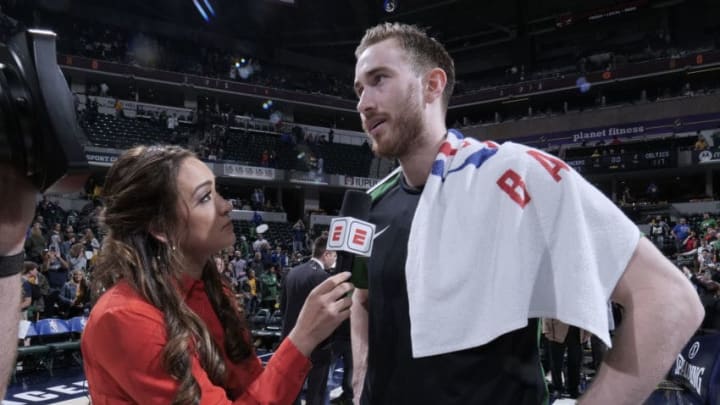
(209, 7)
(201, 10)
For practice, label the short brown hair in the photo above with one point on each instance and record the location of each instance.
(425, 52)
(320, 245)
(29, 266)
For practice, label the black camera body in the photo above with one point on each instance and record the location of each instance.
(38, 124)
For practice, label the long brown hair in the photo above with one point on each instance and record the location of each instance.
(140, 195)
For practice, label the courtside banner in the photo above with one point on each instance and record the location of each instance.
(101, 156)
(248, 172)
(363, 183)
(688, 123)
(309, 178)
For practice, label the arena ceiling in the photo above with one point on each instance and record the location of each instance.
(331, 29)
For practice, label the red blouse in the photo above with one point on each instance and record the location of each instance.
(122, 351)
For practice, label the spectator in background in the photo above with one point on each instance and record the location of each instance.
(260, 244)
(298, 231)
(256, 264)
(680, 231)
(75, 295)
(700, 143)
(56, 270)
(690, 242)
(119, 112)
(320, 164)
(40, 289)
(223, 268)
(237, 266)
(67, 243)
(91, 243)
(707, 284)
(278, 257)
(652, 192)
(35, 244)
(658, 230)
(296, 287)
(55, 238)
(563, 337)
(258, 200)
(25, 296)
(707, 222)
(244, 246)
(76, 258)
(250, 289)
(270, 288)
(710, 234)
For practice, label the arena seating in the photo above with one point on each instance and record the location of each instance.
(277, 231)
(122, 133)
(51, 340)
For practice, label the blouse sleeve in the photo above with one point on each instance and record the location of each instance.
(278, 383)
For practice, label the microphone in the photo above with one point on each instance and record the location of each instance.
(351, 235)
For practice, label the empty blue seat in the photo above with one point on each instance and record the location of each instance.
(51, 326)
(77, 324)
(31, 331)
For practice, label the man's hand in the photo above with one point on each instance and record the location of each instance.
(17, 209)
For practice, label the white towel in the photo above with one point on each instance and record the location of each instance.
(506, 233)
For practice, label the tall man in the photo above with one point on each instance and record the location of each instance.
(296, 286)
(477, 241)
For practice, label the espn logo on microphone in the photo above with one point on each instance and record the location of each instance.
(351, 235)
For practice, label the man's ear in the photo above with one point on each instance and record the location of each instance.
(435, 81)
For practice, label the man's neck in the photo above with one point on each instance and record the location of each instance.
(417, 164)
(319, 262)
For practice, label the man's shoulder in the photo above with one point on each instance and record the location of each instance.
(311, 265)
(305, 269)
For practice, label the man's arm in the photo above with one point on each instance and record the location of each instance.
(15, 216)
(359, 340)
(662, 311)
(9, 318)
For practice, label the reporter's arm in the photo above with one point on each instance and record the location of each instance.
(662, 311)
(359, 340)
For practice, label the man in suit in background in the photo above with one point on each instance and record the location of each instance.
(296, 286)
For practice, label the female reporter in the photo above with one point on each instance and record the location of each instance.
(166, 329)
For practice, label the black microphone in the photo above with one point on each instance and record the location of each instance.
(351, 235)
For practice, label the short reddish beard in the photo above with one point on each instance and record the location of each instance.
(405, 130)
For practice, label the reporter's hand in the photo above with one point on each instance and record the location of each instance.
(324, 310)
(17, 209)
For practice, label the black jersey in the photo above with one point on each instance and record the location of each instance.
(505, 371)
